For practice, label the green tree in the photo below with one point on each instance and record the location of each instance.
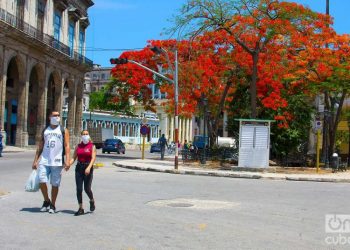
(286, 137)
(105, 99)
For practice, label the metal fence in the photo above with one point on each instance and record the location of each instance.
(228, 154)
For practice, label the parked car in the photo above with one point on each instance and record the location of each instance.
(113, 145)
(155, 147)
(199, 140)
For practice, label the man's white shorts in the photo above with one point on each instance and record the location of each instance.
(52, 172)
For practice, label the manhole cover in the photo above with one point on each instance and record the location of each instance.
(180, 205)
(194, 204)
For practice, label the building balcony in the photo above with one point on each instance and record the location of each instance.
(33, 32)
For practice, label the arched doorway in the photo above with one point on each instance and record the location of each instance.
(11, 103)
(65, 104)
(51, 89)
(53, 94)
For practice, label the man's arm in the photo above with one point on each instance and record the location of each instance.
(38, 152)
(67, 149)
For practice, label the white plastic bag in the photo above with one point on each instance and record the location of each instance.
(32, 184)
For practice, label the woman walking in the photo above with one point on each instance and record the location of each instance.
(86, 154)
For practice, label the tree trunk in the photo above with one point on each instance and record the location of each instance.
(333, 126)
(325, 131)
(253, 85)
(214, 122)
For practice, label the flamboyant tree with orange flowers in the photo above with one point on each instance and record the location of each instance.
(252, 25)
(234, 43)
(206, 67)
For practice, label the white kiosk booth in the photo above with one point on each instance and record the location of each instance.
(254, 143)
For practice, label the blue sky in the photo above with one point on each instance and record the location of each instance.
(128, 24)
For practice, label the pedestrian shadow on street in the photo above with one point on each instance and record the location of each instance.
(66, 211)
(31, 209)
(72, 212)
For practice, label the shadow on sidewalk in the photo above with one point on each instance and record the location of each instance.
(31, 209)
(67, 211)
(73, 212)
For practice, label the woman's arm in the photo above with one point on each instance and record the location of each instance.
(93, 158)
(67, 148)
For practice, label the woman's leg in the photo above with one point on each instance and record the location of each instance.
(87, 184)
(79, 179)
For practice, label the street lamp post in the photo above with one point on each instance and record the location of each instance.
(159, 50)
(175, 71)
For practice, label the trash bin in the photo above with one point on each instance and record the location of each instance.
(335, 161)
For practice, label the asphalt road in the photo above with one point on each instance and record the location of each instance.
(145, 210)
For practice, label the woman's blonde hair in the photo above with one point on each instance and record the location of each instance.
(81, 133)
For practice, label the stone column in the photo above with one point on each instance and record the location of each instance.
(71, 110)
(42, 100)
(171, 119)
(3, 77)
(59, 95)
(184, 129)
(191, 129)
(22, 111)
(180, 130)
(79, 109)
(188, 137)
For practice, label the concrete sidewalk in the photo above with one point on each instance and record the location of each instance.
(12, 149)
(167, 166)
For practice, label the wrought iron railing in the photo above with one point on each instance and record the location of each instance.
(39, 35)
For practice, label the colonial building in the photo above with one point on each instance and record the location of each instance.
(42, 47)
(126, 128)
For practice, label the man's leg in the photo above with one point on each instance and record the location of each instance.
(56, 172)
(43, 172)
(162, 149)
(43, 188)
(54, 193)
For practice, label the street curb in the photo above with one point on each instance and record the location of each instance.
(5, 152)
(342, 180)
(233, 175)
(189, 172)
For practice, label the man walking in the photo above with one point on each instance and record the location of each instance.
(49, 160)
(162, 142)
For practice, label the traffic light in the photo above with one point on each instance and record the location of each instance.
(118, 60)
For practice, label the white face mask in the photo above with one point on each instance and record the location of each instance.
(85, 139)
(54, 120)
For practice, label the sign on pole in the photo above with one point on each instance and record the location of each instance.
(318, 125)
(144, 130)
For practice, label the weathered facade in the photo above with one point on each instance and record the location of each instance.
(42, 44)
